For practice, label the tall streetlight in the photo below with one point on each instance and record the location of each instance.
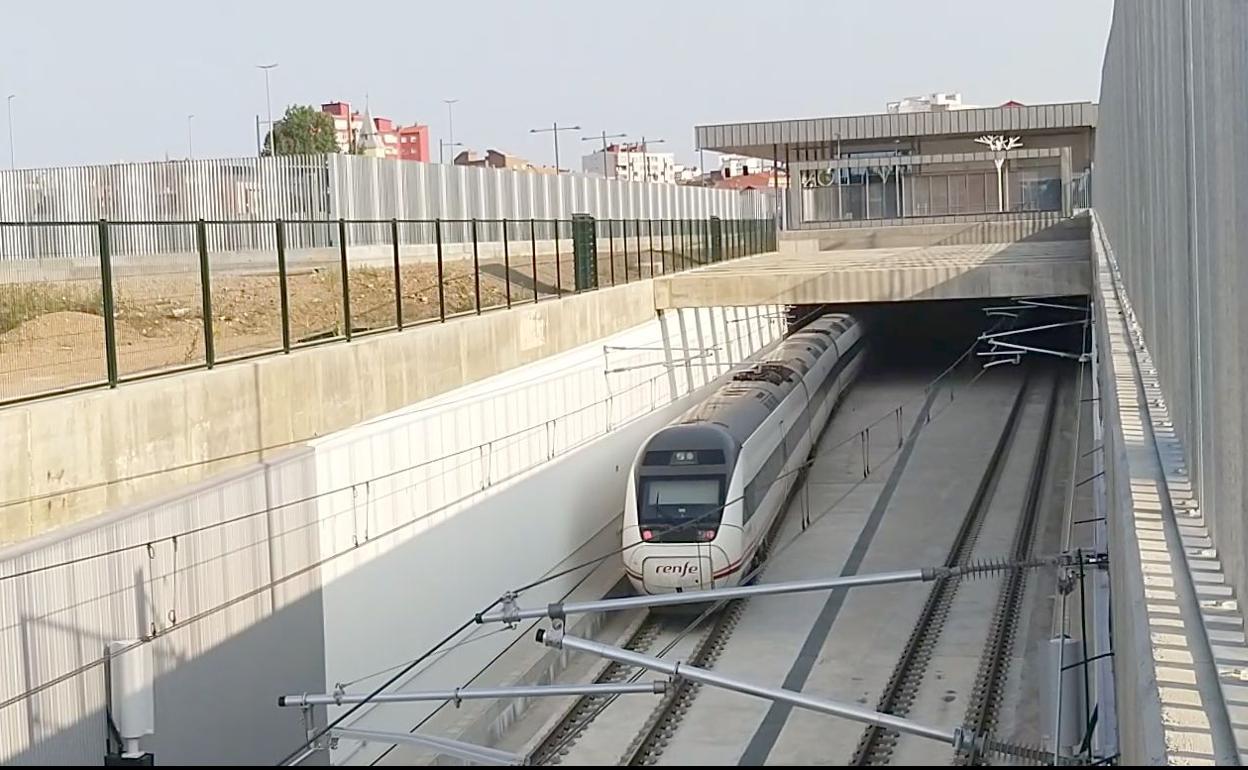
(12, 152)
(645, 153)
(999, 146)
(554, 129)
(442, 144)
(190, 148)
(268, 101)
(450, 119)
(604, 138)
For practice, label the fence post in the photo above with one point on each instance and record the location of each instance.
(283, 289)
(106, 296)
(637, 233)
(476, 268)
(506, 264)
(584, 252)
(533, 241)
(437, 235)
(716, 226)
(346, 280)
(624, 245)
(558, 277)
(205, 288)
(611, 248)
(398, 275)
(650, 237)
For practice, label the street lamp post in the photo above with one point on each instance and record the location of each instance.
(190, 148)
(268, 100)
(442, 144)
(12, 152)
(604, 136)
(554, 130)
(645, 155)
(999, 146)
(450, 119)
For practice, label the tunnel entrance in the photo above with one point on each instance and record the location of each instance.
(936, 332)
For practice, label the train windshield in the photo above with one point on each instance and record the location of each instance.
(677, 506)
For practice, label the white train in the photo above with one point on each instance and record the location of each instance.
(705, 490)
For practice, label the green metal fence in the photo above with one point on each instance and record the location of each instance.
(73, 323)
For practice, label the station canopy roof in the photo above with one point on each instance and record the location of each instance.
(763, 139)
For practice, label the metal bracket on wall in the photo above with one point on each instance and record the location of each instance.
(1002, 351)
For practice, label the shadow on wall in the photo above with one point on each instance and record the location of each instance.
(216, 656)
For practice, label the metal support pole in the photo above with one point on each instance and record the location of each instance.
(556, 639)
(611, 250)
(558, 276)
(513, 614)
(650, 237)
(398, 275)
(283, 284)
(533, 241)
(205, 287)
(637, 235)
(109, 307)
(437, 237)
(506, 264)
(346, 280)
(624, 245)
(656, 687)
(476, 268)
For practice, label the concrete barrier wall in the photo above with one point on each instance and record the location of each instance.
(72, 457)
(1172, 181)
(331, 561)
(1178, 633)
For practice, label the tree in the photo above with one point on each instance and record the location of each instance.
(301, 131)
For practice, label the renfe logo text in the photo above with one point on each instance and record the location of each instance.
(682, 570)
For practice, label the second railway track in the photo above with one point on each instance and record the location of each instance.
(878, 746)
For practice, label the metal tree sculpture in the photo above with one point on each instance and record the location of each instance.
(999, 146)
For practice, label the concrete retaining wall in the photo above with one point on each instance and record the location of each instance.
(72, 457)
(330, 562)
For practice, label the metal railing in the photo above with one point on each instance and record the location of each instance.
(69, 324)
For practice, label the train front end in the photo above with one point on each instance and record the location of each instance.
(678, 531)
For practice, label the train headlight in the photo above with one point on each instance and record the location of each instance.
(647, 534)
(684, 458)
(707, 534)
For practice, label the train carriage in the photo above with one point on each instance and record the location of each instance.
(705, 490)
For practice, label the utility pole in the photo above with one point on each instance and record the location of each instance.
(645, 154)
(554, 130)
(268, 100)
(450, 119)
(604, 138)
(442, 143)
(12, 152)
(190, 148)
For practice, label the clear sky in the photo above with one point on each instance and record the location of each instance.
(114, 81)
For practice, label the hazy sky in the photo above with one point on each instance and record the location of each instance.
(112, 81)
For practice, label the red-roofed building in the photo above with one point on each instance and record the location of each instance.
(402, 142)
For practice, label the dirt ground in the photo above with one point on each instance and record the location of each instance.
(159, 318)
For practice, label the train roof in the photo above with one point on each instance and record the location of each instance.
(740, 405)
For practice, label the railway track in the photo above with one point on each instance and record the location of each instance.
(877, 745)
